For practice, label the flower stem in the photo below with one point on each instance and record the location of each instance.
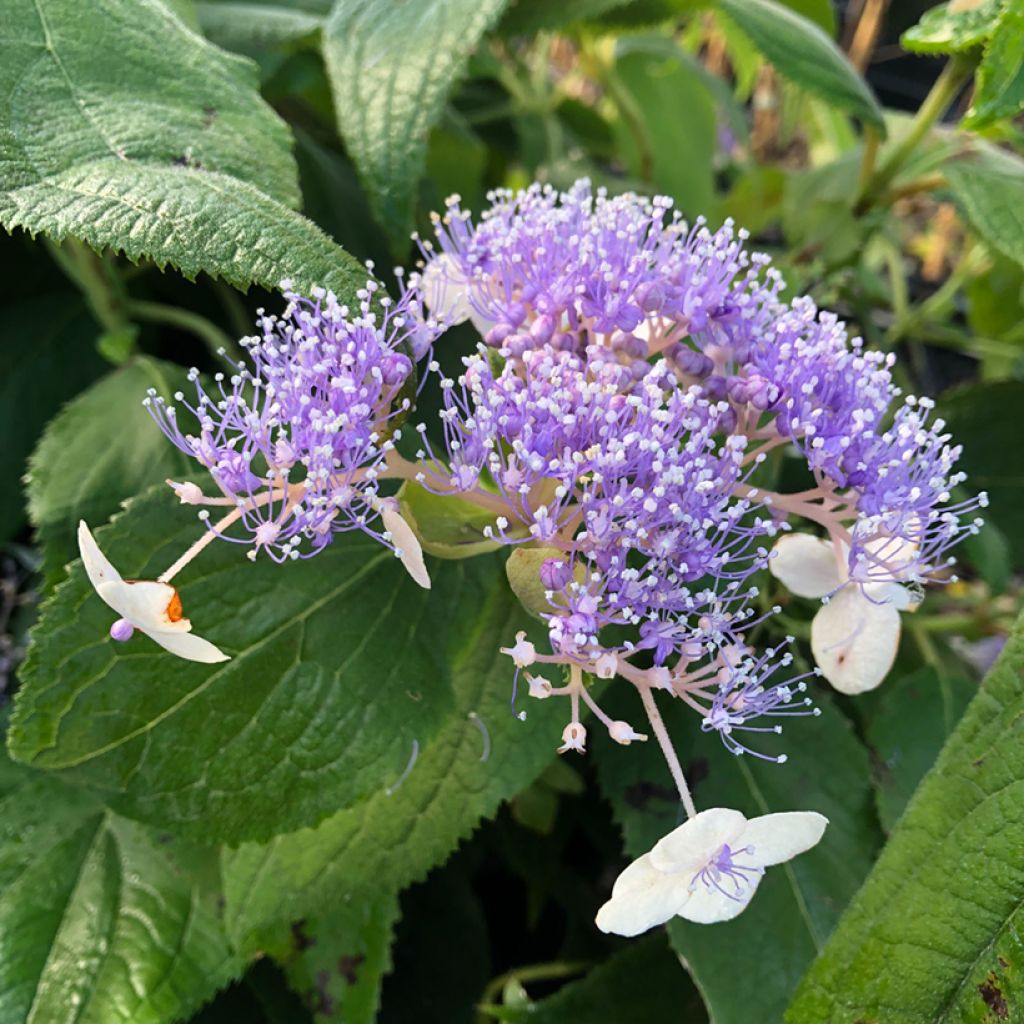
(654, 717)
(208, 332)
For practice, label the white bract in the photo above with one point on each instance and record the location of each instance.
(446, 293)
(406, 543)
(707, 870)
(855, 634)
(149, 606)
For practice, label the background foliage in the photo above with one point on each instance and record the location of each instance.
(180, 844)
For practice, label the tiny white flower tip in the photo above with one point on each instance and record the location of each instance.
(624, 733)
(539, 687)
(574, 737)
(186, 493)
(523, 654)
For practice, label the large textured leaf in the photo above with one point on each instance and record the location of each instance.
(391, 65)
(97, 924)
(989, 185)
(798, 904)
(338, 664)
(339, 958)
(129, 130)
(251, 27)
(100, 450)
(47, 353)
(1000, 91)
(934, 935)
(803, 52)
(391, 840)
(192, 219)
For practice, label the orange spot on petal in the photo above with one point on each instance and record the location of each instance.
(174, 608)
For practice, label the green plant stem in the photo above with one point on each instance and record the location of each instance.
(949, 83)
(868, 160)
(215, 339)
(95, 279)
(532, 972)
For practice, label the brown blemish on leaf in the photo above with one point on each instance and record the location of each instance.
(348, 967)
(993, 997)
(300, 938)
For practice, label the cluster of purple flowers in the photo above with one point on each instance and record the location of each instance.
(631, 374)
(297, 440)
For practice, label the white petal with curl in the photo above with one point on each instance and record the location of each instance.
(807, 566)
(692, 845)
(97, 566)
(145, 604)
(642, 898)
(854, 640)
(190, 647)
(406, 543)
(775, 838)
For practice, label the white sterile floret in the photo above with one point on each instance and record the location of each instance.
(856, 632)
(707, 870)
(854, 639)
(149, 606)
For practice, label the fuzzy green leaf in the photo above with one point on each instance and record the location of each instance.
(249, 27)
(392, 64)
(1000, 92)
(337, 665)
(98, 924)
(934, 935)
(804, 53)
(949, 28)
(989, 185)
(392, 840)
(798, 903)
(166, 152)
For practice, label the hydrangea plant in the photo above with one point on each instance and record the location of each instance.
(592, 533)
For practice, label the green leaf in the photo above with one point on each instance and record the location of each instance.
(340, 957)
(805, 54)
(915, 715)
(1000, 78)
(191, 219)
(166, 152)
(666, 110)
(49, 354)
(450, 526)
(978, 414)
(102, 449)
(798, 903)
(952, 28)
(988, 184)
(391, 65)
(253, 27)
(527, 17)
(643, 982)
(391, 841)
(97, 922)
(934, 935)
(338, 665)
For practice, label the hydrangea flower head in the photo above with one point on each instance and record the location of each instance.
(296, 440)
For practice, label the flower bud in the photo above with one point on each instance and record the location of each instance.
(623, 732)
(574, 737)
